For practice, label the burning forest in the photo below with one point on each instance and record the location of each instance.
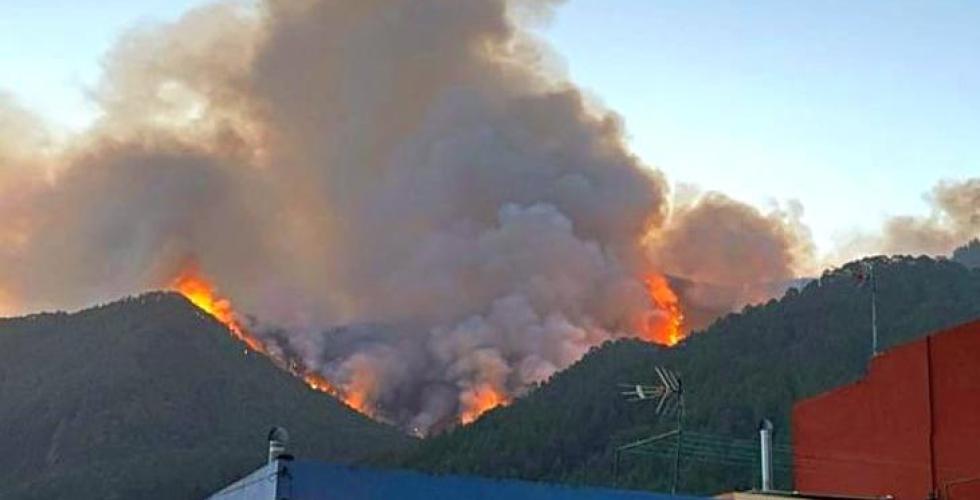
(664, 327)
(420, 214)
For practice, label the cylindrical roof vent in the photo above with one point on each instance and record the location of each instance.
(765, 449)
(278, 439)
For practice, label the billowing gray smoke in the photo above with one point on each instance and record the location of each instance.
(955, 218)
(410, 168)
(724, 254)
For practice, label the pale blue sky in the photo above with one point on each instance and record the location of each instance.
(856, 108)
(51, 50)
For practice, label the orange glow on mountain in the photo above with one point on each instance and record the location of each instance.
(192, 284)
(353, 396)
(321, 384)
(358, 400)
(479, 400)
(665, 326)
(358, 392)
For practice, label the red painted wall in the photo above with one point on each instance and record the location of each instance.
(911, 426)
(956, 414)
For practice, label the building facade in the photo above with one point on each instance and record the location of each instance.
(910, 428)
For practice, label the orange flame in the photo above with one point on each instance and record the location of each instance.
(319, 383)
(665, 327)
(477, 401)
(192, 284)
(354, 394)
(351, 396)
(357, 399)
(363, 383)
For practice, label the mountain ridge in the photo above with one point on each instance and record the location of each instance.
(150, 397)
(116, 393)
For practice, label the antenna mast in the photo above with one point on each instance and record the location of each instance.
(874, 310)
(669, 396)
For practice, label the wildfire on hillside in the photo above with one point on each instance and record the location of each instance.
(666, 325)
(320, 383)
(481, 399)
(479, 207)
(192, 284)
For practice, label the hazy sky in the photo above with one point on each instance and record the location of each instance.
(854, 108)
(50, 50)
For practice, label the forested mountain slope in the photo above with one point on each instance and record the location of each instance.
(150, 398)
(969, 254)
(744, 367)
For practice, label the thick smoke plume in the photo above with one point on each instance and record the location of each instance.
(435, 219)
(724, 254)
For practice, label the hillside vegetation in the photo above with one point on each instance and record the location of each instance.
(743, 368)
(969, 254)
(152, 398)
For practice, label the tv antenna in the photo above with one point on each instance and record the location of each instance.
(669, 396)
(865, 275)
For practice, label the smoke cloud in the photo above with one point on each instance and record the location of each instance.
(954, 220)
(434, 217)
(723, 254)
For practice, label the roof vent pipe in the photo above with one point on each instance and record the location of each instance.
(765, 448)
(278, 439)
